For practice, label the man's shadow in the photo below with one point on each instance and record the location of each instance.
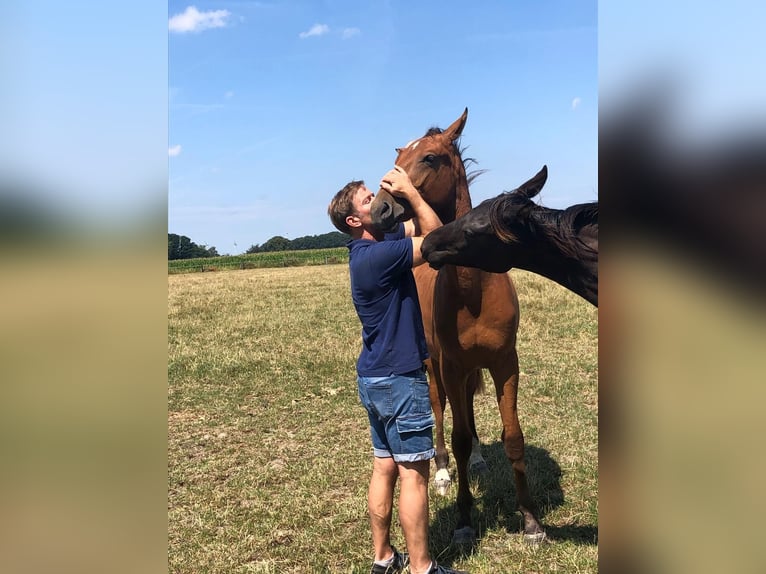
(495, 502)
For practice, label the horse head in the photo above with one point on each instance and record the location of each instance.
(434, 166)
(496, 226)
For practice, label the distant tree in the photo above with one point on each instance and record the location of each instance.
(300, 243)
(181, 247)
(332, 239)
(254, 249)
(276, 243)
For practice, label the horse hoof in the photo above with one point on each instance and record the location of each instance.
(464, 536)
(479, 467)
(536, 538)
(442, 481)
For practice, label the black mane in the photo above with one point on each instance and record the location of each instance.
(562, 228)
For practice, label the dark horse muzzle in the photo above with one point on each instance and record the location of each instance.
(386, 211)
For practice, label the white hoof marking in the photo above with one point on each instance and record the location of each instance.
(477, 463)
(534, 539)
(442, 481)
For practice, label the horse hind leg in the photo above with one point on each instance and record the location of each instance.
(442, 480)
(476, 462)
(506, 377)
(533, 530)
(462, 436)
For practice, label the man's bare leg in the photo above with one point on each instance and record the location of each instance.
(380, 502)
(413, 511)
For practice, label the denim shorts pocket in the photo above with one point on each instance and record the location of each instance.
(414, 423)
(378, 391)
(421, 396)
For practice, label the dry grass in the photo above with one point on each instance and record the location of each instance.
(268, 448)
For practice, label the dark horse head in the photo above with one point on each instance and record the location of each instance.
(511, 230)
(434, 166)
(480, 239)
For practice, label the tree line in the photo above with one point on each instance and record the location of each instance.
(181, 247)
(324, 241)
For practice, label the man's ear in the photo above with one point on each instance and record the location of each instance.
(353, 221)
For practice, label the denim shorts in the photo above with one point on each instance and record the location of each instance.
(401, 421)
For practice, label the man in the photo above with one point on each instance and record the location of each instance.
(392, 381)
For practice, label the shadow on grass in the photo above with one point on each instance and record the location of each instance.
(495, 503)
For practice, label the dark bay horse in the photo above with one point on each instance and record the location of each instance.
(470, 319)
(511, 230)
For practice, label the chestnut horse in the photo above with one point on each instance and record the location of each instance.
(511, 230)
(470, 319)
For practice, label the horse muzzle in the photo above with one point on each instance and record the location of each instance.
(430, 254)
(385, 212)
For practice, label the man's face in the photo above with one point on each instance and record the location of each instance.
(362, 202)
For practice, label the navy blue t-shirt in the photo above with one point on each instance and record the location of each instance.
(386, 300)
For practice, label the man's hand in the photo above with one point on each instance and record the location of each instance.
(397, 183)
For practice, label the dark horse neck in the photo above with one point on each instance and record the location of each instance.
(567, 256)
(580, 277)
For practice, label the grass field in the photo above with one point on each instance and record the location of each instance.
(268, 447)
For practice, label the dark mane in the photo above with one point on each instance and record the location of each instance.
(470, 176)
(562, 228)
(581, 215)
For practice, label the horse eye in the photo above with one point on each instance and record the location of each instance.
(429, 159)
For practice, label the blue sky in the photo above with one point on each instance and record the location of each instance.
(275, 105)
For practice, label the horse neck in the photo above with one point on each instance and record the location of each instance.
(575, 269)
(462, 196)
(577, 275)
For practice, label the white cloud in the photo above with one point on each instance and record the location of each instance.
(174, 150)
(316, 30)
(228, 95)
(192, 20)
(576, 103)
(351, 32)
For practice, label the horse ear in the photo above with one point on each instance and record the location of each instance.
(454, 131)
(533, 186)
(398, 150)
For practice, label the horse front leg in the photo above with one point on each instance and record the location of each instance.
(442, 480)
(506, 377)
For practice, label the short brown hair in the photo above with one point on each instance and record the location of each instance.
(342, 205)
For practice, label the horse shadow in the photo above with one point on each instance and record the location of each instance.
(495, 503)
